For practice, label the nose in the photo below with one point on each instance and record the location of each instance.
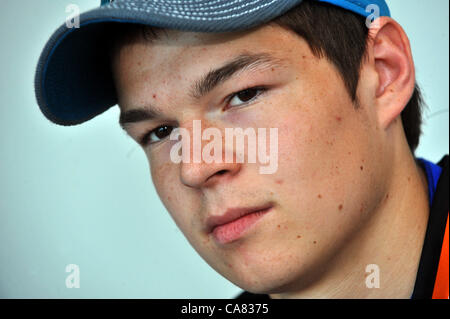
(198, 175)
(198, 172)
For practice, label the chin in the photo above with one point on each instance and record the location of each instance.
(268, 282)
(266, 287)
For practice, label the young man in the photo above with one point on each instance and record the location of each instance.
(336, 79)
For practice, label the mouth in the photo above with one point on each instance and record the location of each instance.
(233, 224)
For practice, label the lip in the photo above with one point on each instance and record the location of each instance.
(234, 222)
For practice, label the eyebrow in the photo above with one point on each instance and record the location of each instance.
(215, 77)
(136, 115)
(245, 61)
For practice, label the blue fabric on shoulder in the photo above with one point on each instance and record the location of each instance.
(433, 172)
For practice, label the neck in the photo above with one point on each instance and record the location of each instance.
(391, 239)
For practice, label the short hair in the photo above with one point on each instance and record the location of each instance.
(331, 32)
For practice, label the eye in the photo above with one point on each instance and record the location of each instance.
(244, 96)
(157, 134)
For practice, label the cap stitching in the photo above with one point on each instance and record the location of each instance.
(198, 7)
(211, 18)
(183, 14)
(193, 2)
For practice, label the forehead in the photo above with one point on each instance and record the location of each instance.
(174, 59)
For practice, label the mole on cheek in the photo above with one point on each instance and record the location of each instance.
(362, 167)
(154, 96)
(319, 196)
(338, 118)
(340, 207)
(299, 236)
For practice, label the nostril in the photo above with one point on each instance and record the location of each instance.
(218, 173)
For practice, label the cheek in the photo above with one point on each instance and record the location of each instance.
(163, 170)
(324, 152)
(162, 176)
(181, 202)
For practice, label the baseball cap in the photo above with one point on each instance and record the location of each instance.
(73, 81)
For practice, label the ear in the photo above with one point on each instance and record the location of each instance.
(394, 66)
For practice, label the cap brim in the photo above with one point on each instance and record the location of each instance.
(73, 80)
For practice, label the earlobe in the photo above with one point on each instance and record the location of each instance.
(395, 69)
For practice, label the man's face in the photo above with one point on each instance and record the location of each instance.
(330, 172)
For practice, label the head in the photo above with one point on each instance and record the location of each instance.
(339, 95)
